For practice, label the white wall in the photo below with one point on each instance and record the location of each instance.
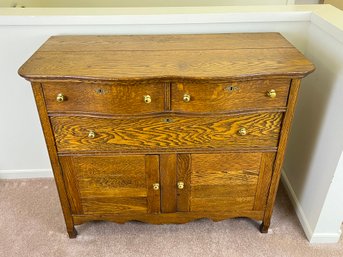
(19, 3)
(307, 1)
(22, 147)
(330, 219)
(146, 3)
(138, 3)
(312, 174)
(316, 141)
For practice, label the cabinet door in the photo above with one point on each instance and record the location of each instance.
(223, 182)
(112, 184)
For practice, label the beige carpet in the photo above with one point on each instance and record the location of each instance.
(31, 224)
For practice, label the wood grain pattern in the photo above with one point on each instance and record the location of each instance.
(56, 168)
(85, 43)
(104, 79)
(112, 98)
(152, 167)
(263, 184)
(71, 184)
(168, 183)
(167, 96)
(197, 65)
(118, 205)
(207, 97)
(222, 204)
(224, 182)
(113, 176)
(167, 132)
(224, 190)
(106, 182)
(293, 94)
(183, 174)
(167, 218)
(213, 169)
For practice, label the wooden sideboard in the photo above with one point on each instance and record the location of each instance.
(166, 128)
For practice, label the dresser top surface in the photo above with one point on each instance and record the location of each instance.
(143, 57)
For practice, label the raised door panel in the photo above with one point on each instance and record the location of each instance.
(224, 182)
(112, 184)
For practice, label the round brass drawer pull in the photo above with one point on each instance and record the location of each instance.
(156, 186)
(147, 99)
(186, 98)
(242, 131)
(60, 97)
(180, 185)
(271, 93)
(91, 134)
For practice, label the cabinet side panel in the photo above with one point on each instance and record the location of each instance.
(50, 142)
(295, 84)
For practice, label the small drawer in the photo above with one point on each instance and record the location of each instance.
(226, 97)
(104, 98)
(166, 133)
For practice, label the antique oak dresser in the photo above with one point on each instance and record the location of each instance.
(166, 128)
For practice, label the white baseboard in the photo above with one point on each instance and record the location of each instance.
(325, 238)
(297, 207)
(314, 238)
(20, 174)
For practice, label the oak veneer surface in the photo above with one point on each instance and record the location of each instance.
(105, 98)
(166, 128)
(166, 132)
(224, 97)
(218, 56)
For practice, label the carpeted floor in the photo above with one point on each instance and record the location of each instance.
(31, 224)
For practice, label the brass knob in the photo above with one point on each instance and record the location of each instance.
(180, 185)
(242, 131)
(147, 99)
(156, 186)
(60, 97)
(271, 93)
(186, 98)
(91, 134)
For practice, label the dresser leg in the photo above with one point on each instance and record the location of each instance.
(264, 227)
(72, 233)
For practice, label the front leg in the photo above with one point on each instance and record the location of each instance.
(72, 232)
(264, 227)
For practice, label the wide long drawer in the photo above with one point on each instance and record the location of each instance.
(166, 132)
